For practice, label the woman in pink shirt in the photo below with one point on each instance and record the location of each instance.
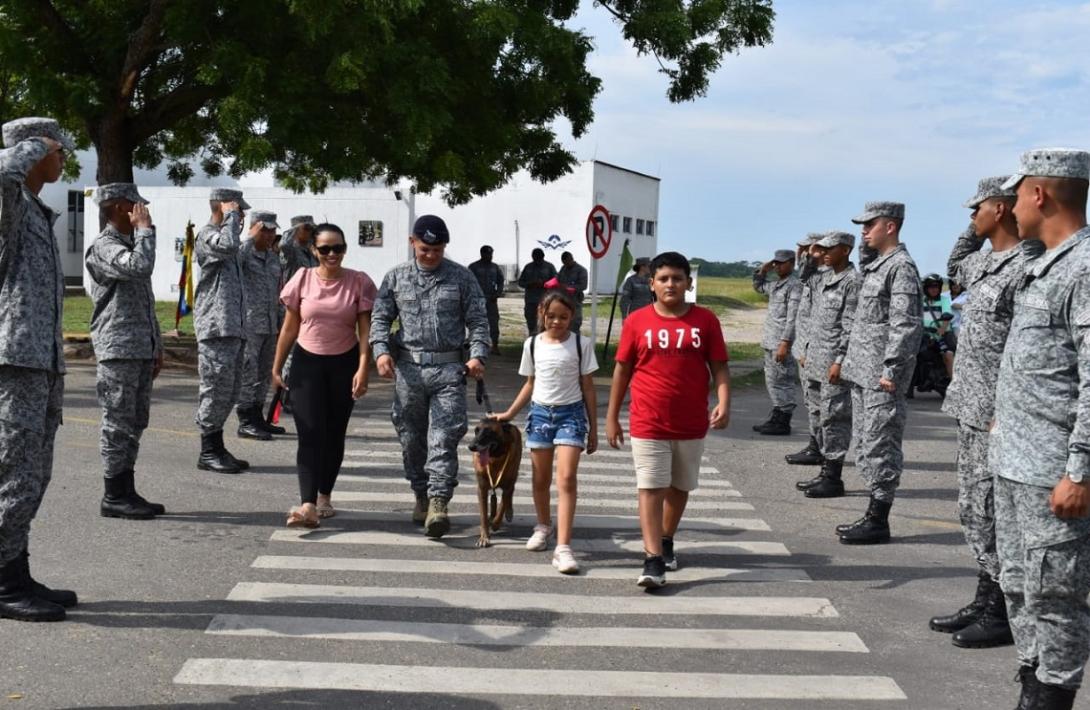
(328, 321)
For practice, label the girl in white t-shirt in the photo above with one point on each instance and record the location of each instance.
(563, 419)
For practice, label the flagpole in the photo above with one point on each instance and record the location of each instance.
(613, 306)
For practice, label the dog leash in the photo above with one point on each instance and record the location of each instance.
(482, 397)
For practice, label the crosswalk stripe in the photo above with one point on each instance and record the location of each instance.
(394, 450)
(489, 600)
(628, 503)
(467, 477)
(612, 545)
(395, 463)
(531, 682)
(583, 487)
(517, 569)
(309, 627)
(583, 521)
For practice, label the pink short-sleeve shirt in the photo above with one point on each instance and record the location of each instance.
(328, 308)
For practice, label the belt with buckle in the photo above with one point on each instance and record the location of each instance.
(427, 357)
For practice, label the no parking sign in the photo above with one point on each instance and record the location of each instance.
(599, 231)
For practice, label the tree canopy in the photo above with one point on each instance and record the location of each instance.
(457, 94)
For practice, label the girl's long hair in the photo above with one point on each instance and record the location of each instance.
(550, 298)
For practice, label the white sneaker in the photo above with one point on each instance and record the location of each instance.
(540, 539)
(564, 560)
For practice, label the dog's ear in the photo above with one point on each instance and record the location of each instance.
(507, 427)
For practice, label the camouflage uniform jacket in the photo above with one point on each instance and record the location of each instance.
(261, 282)
(31, 278)
(220, 309)
(783, 306)
(294, 256)
(1042, 401)
(123, 321)
(489, 277)
(575, 277)
(888, 322)
(434, 309)
(534, 271)
(810, 277)
(991, 280)
(835, 300)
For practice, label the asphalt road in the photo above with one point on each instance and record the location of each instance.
(217, 605)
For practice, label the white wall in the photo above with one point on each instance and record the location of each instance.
(625, 194)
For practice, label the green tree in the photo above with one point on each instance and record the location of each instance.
(452, 93)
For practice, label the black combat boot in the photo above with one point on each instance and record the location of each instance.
(18, 601)
(64, 597)
(130, 480)
(809, 456)
(830, 485)
(269, 427)
(214, 456)
(809, 482)
(967, 615)
(875, 526)
(759, 428)
(248, 426)
(778, 425)
(992, 627)
(242, 464)
(1053, 697)
(117, 502)
(1027, 676)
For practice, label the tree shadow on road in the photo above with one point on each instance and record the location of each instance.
(324, 699)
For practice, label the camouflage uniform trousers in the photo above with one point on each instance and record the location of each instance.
(257, 361)
(124, 394)
(780, 379)
(836, 421)
(878, 419)
(492, 307)
(30, 413)
(219, 364)
(529, 311)
(811, 394)
(976, 497)
(429, 414)
(1045, 575)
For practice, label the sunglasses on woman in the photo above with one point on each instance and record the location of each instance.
(327, 249)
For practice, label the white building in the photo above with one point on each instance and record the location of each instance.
(514, 220)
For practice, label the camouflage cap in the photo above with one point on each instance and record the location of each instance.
(302, 219)
(834, 239)
(988, 188)
(810, 239)
(20, 129)
(1051, 162)
(643, 261)
(117, 191)
(228, 194)
(266, 218)
(874, 210)
(783, 255)
(431, 230)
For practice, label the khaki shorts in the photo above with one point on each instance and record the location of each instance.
(667, 463)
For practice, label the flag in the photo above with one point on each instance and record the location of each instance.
(185, 281)
(625, 265)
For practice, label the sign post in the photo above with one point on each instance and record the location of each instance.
(599, 235)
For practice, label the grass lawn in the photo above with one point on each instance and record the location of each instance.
(77, 316)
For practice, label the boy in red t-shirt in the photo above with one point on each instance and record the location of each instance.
(667, 350)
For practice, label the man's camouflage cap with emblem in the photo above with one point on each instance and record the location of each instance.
(810, 239)
(302, 219)
(834, 239)
(227, 194)
(874, 210)
(266, 218)
(783, 255)
(117, 191)
(988, 188)
(20, 129)
(1051, 162)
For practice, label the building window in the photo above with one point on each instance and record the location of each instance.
(639, 226)
(75, 221)
(650, 228)
(627, 225)
(615, 223)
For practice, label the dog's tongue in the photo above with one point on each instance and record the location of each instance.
(484, 456)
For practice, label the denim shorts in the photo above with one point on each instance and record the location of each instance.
(563, 425)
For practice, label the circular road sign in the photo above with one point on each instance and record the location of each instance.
(599, 231)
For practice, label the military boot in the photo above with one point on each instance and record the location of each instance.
(214, 456)
(778, 425)
(130, 480)
(1027, 676)
(1053, 697)
(809, 456)
(18, 600)
(845, 527)
(64, 597)
(248, 426)
(117, 502)
(830, 485)
(242, 464)
(759, 428)
(991, 628)
(437, 523)
(268, 426)
(420, 510)
(967, 615)
(875, 526)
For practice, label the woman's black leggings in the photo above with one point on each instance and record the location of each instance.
(321, 400)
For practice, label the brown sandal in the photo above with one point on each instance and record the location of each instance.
(326, 510)
(297, 518)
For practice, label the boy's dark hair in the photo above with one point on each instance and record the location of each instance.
(328, 227)
(673, 260)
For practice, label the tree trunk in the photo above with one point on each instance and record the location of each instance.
(114, 147)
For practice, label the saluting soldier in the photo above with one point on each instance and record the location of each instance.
(992, 277)
(435, 301)
(879, 363)
(492, 281)
(261, 284)
(1039, 448)
(781, 369)
(811, 272)
(219, 318)
(836, 296)
(295, 247)
(127, 342)
(31, 356)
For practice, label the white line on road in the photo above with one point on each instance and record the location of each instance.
(468, 478)
(583, 487)
(582, 521)
(395, 463)
(628, 503)
(482, 681)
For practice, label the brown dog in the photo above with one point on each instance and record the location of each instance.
(497, 449)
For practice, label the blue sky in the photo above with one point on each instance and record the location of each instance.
(854, 101)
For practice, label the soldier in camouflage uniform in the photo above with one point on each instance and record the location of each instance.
(781, 370)
(879, 363)
(435, 301)
(491, 280)
(532, 281)
(127, 342)
(31, 356)
(811, 272)
(261, 284)
(1039, 449)
(834, 307)
(219, 317)
(295, 253)
(991, 278)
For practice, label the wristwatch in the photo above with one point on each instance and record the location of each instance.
(1075, 477)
